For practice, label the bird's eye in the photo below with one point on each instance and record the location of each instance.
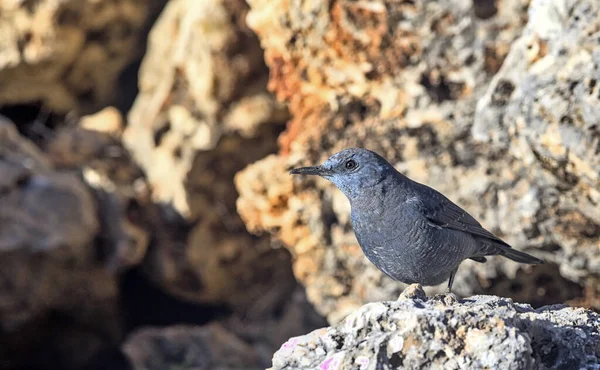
(350, 164)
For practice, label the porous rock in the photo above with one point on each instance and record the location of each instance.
(68, 54)
(202, 77)
(203, 113)
(404, 79)
(480, 332)
(543, 109)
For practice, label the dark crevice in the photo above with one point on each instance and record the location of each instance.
(485, 9)
(439, 90)
(34, 120)
(145, 304)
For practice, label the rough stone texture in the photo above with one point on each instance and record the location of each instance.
(267, 332)
(203, 77)
(404, 79)
(48, 226)
(128, 218)
(68, 54)
(182, 347)
(481, 332)
(233, 343)
(59, 275)
(543, 109)
(215, 259)
(203, 113)
(75, 215)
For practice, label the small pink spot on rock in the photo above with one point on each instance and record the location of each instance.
(333, 362)
(325, 364)
(290, 343)
(288, 347)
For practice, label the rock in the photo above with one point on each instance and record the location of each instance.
(236, 342)
(480, 332)
(413, 291)
(543, 108)
(213, 259)
(380, 59)
(48, 229)
(44, 214)
(108, 120)
(182, 347)
(404, 79)
(203, 113)
(202, 78)
(128, 218)
(267, 332)
(71, 239)
(69, 54)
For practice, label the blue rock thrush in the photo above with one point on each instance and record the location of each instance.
(410, 231)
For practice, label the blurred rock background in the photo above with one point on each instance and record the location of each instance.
(147, 219)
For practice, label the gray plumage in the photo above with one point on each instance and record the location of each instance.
(410, 231)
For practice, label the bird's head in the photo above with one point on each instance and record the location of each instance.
(354, 170)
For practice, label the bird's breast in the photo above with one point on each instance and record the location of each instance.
(406, 248)
(388, 246)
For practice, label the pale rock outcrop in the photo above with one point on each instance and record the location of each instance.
(480, 332)
(203, 113)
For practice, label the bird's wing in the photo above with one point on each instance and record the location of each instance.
(442, 212)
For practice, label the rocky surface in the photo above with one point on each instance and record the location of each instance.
(204, 113)
(48, 232)
(414, 81)
(480, 332)
(69, 54)
(203, 77)
(234, 343)
(127, 220)
(157, 241)
(543, 109)
(77, 215)
(202, 348)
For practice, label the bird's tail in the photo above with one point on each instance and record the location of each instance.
(518, 256)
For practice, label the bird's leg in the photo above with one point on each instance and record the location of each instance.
(451, 281)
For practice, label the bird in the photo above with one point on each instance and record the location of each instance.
(408, 230)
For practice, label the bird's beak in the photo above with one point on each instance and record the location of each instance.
(313, 170)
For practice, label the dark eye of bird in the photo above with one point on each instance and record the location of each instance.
(350, 165)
